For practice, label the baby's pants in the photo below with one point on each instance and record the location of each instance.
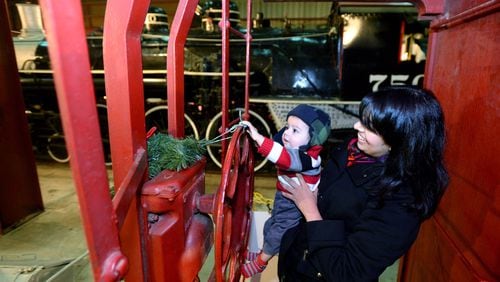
(284, 216)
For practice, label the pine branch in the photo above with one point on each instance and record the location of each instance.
(167, 152)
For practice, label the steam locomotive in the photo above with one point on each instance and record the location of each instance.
(356, 50)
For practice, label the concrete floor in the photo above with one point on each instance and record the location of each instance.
(51, 246)
(37, 248)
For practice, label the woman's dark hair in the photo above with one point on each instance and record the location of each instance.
(411, 122)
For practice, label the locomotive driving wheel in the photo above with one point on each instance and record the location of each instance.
(233, 204)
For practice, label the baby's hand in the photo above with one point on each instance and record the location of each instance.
(249, 127)
(254, 133)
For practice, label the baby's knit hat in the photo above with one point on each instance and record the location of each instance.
(318, 121)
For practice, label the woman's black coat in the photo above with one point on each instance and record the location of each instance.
(356, 240)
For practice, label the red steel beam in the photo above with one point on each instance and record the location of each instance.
(122, 54)
(248, 41)
(70, 63)
(175, 65)
(225, 26)
(123, 23)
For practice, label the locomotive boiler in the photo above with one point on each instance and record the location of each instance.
(355, 50)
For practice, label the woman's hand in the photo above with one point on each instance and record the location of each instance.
(302, 196)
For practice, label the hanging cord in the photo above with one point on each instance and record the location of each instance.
(206, 142)
(221, 137)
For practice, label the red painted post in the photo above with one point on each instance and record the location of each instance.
(175, 65)
(123, 23)
(69, 58)
(248, 41)
(225, 24)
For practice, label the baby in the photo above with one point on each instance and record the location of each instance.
(295, 149)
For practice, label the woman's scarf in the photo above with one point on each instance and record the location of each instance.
(356, 156)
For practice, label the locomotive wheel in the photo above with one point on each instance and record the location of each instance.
(56, 148)
(56, 144)
(232, 208)
(158, 117)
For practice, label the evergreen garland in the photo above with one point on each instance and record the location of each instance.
(167, 152)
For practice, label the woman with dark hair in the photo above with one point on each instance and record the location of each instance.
(374, 193)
